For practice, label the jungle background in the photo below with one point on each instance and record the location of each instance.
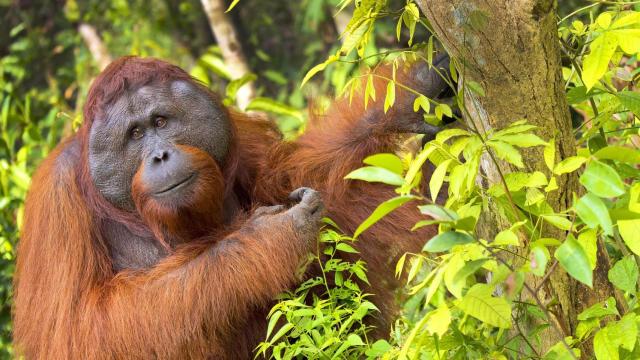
(51, 50)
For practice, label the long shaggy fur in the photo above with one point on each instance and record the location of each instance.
(208, 298)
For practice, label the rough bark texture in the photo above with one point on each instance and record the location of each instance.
(510, 47)
(96, 47)
(229, 43)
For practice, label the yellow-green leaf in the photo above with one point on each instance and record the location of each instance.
(439, 320)
(316, 69)
(381, 211)
(376, 174)
(594, 212)
(597, 61)
(421, 102)
(629, 40)
(390, 98)
(446, 240)
(574, 260)
(506, 237)
(479, 303)
(506, 152)
(604, 20)
(587, 240)
(388, 161)
(437, 178)
(550, 154)
(624, 274)
(630, 232)
(568, 165)
(602, 180)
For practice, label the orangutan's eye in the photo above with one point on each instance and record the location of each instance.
(160, 121)
(136, 133)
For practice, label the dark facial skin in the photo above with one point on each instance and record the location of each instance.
(142, 128)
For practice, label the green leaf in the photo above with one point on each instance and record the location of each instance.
(479, 303)
(475, 87)
(594, 212)
(550, 154)
(568, 165)
(421, 102)
(559, 352)
(316, 69)
(400, 265)
(283, 330)
(574, 260)
(468, 269)
(631, 100)
(437, 178)
(443, 109)
(438, 212)
(624, 274)
(506, 152)
(273, 106)
(369, 91)
(236, 84)
(597, 61)
(523, 140)
(619, 153)
(516, 127)
(598, 310)
(588, 241)
(381, 211)
(215, 64)
(604, 20)
(232, 5)
(447, 134)
(603, 347)
(558, 221)
(388, 161)
(625, 331)
(602, 180)
(455, 264)
(376, 174)
(416, 164)
(378, 349)
(506, 237)
(439, 321)
(538, 261)
(354, 340)
(446, 240)
(630, 232)
(273, 320)
(390, 98)
(628, 40)
(344, 247)
(634, 198)
(631, 18)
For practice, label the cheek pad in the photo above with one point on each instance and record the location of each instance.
(205, 125)
(112, 172)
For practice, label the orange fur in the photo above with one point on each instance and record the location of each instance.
(208, 298)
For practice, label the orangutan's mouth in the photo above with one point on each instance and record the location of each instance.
(181, 184)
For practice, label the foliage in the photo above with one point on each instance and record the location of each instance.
(46, 70)
(323, 317)
(472, 297)
(469, 297)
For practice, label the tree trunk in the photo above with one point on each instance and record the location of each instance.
(96, 47)
(511, 48)
(228, 40)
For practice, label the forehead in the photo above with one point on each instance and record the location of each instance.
(176, 98)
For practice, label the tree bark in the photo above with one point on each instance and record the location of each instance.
(511, 48)
(229, 42)
(96, 47)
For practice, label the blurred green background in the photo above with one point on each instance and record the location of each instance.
(46, 68)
